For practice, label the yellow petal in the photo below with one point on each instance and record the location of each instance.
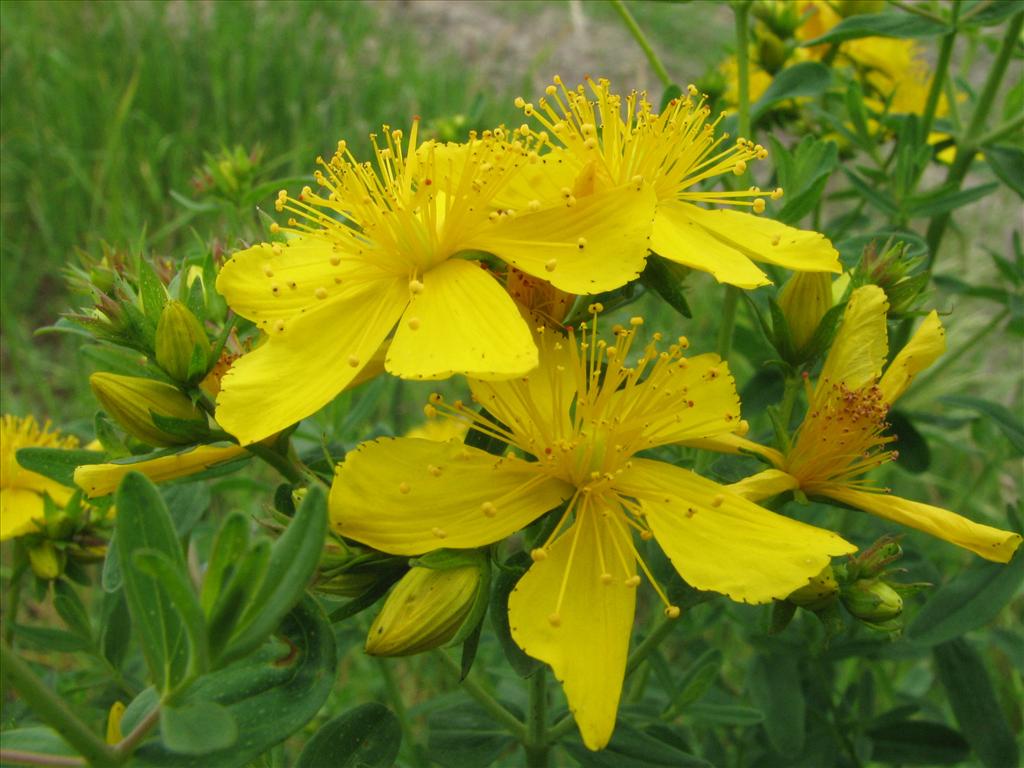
(770, 482)
(461, 322)
(703, 402)
(101, 479)
(677, 236)
(763, 239)
(984, 540)
(598, 244)
(272, 281)
(306, 362)
(860, 347)
(408, 496)
(720, 541)
(925, 347)
(737, 445)
(536, 407)
(19, 508)
(588, 649)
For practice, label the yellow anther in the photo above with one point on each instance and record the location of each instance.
(570, 201)
(429, 411)
(267, 270)
(335, 260)
(436, 398)
(581, 243)
(551, 90)
(554, 619)
(415, 286)
(777, 239)
(434, 470)
(606, 579)
(551, 264)
(646, 535)
(403, 487)
(740, 168)
(566, 192)
(636, 320)
(633, 581)
(488, 509)
(520, 102)
(638, 181)
(776, 193)
(672, 611)
(275, 228)
(413, 323)
(595, 308)
(758, 205)
(538, 555)
(692, 89)
(534, 205)
(717, 501)
(439, 532)
(684, 343)
(743, 427)
(320, 293)
(353, 361)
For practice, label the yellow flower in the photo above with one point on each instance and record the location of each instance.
(102, 479)
(582, 427)
(673, 153)
(22, 492)
(390, 247)
(843, 435)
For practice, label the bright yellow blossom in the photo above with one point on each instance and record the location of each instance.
(843, 435)
(582, 415)
(102, 479)
(391, 247)
(22, 493)
(673, 152)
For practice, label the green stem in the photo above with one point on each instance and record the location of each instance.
(649, 643)
(491, 705)
(50, 708)
(913, 8)
(967, 146)
(939, 79)
(281, 463)
(12, 598)
(792, 389)
(124, 748)
(36, 758)
(732, 295)
(741, 11)
(643, 42)
(537, 746)
(398, 705)
(1011, 125)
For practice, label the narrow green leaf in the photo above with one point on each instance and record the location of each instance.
(946, 199)
(56, 463)
(293, 560)
(115, 627)
(993, 11)
(151, 290)
(197, 727)
(50, 639)
(888, 24)
(1009, 423)
(667, 279)
(724, 714)
(464, 736)
(775, 688)
(1008, 164)
(71, 610)
(914, 455)
(867, 190)
(176, 586)
(917, 742)
(631, 747)
(143, 523)
(808, 78)
(970, 601)
(962, 672)
(229, 545)
(697, 679)
(365, 737)
(246, 578)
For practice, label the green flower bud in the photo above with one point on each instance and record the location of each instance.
(46, 560)
(425, 610)
(133, 402)
(820, 593)
(780, 16)
(182, 348)
(804, 300)
(872, 601)
(771, 52)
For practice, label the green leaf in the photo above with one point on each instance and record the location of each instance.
(775, 688)
(962, 673)
(914, 455)
(197, 727)
(970, 601)
(899, 25)
(1008, 164)
(667, 279)
(271, 694)
(506, 579)
(246, 577)
(110, 577)
(151, 291)
(867, 190)
(230, 543)
(632, 748)
(808, 78)
(365, 737)
(697, 679)
(143, 523)
(803, 175)
(56, 463)
(71, 610)
(1009, 423)
(115, 627)
(37, 739)
(946, 199)
(992, 11)
(917, 742)
(186, 503)
(293, 560)
(724, 714)
(175, 584)
(50, 639)
(463, 736)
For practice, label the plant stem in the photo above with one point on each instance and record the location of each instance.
(789, 393)
(538, 749)
(395, 697)
(741, 11)
(967, 146)
(37, 758)
(649, 643)
(50, 708)
(491, 705)
(730, 298)
(1001, 130)
(124, 748)
(939, 78)
(643, 42)
(281, 463)
(12, 598)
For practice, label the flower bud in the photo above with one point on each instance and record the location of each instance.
(133, 402)
(425, 610)
(804, 300)
(872, 601)
(820, 593)
(46, 560)
(179, 335)
(771, 52)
